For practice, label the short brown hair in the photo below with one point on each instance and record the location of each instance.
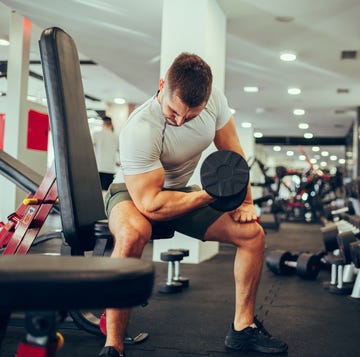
(191, 78)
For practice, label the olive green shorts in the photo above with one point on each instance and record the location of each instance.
(193, 224)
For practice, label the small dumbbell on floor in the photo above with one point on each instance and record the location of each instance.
(171, 286)
(177, 275)
(306, 265)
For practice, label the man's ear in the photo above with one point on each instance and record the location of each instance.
(161, 83)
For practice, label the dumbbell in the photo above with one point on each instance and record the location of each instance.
(177, 275)
(224, 175)
(171, 286)
(282, 262)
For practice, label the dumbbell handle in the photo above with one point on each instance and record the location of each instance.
(340, 210)
(290, 263)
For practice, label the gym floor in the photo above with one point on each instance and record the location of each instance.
(194, 322)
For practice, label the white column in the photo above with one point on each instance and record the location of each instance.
(196, 27)
(17, 77)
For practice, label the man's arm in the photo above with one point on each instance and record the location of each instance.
(226, 139)
(155, 204)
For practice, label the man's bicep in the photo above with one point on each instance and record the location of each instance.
(144, 187)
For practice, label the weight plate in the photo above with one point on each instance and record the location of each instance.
(308, 266)
(344, 239)
(229, 203)
(276, 259)
(224, 173)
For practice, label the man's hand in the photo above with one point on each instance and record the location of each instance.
(246, 213)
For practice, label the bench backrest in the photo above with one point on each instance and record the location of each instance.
(78, 182)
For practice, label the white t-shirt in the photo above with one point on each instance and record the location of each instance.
(147, 142)
(106, 147)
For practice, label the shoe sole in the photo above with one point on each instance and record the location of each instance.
(268, 350)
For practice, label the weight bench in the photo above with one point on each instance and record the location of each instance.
(47, 287)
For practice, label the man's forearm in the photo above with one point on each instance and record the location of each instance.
(167, 205)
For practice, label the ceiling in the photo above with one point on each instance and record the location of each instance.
(123, 38)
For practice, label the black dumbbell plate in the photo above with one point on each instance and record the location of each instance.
(224, 173)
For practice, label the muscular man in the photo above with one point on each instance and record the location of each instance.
(161, 144)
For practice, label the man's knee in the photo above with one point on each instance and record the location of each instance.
(253, 235)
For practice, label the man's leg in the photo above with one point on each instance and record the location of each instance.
(249, 239)
(131, 231)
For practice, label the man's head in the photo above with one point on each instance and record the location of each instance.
(186, 88)
(107, 122)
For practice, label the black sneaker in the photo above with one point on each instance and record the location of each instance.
(254, 339)
(109, 351)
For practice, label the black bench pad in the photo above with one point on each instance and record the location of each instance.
(39, 282)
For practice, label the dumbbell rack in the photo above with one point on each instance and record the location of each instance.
(339, 237)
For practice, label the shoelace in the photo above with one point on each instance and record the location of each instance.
(261, 328)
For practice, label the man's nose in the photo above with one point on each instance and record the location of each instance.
(179, 120)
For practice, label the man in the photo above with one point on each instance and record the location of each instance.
(161, 144)
(106, 147)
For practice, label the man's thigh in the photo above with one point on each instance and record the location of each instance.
(193, 224)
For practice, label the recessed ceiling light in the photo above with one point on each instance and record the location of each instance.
(323, 163)
(277, 148)
(294, 91)
(290, 153)
(308, 135)
(298, 111)
(324, 153)
(251, 89)
(119, 100)
(4, 42)
(258, 134)
(302, 157)
(303, 126)
(341, 161)
(333, 157)
(233, 111)
(246, 125)
(259, 110)
(315, 148)
(288, 56)
(313, 161)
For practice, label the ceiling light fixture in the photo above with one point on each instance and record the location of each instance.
(119, 101)
(315, 148)
(308, 135)
(258, 134)
(294, 91)
(4, 41)
(250, 89)
(303, 126)
(298, 111)
(233, 111)
(290, 153)
(277, 148)
(246, 124)
(288, 56)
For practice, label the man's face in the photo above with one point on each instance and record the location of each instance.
(175, 111)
